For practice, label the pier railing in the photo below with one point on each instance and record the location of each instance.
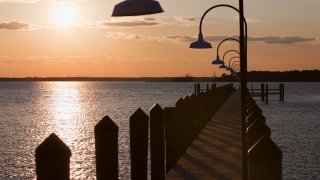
(172, 130)
(264, 156)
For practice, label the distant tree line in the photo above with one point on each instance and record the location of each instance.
(278, 76)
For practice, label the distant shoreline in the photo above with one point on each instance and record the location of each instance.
(253, 76)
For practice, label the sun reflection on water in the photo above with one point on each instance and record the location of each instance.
(65, 109)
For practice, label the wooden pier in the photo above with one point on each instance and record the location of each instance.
(216, 152)
(198, 138)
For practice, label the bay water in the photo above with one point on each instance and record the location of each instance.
(30, 111)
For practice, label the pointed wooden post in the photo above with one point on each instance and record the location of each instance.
(181, 128)
(139, 124)
(267, 93)
(157, 143)
(53, 159)
(170, 136)
(106, 143)
(262, 91)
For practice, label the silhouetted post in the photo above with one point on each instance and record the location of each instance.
(251, 88)
(265, 159)
(282, 92)
(213, 86)
(139, 122)
(207, 87)
(262, 91)
(106, 143)
(170, 136)
(198, 88)
(195, 88)
(267, 93)
(53, 159)
(181, 126)
(157, 143)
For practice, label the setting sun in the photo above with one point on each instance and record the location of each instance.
(65, 15)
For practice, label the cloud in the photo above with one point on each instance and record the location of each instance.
(132, 22)
(282, 39)
(51, 60)
(265, 39)
(129, 36)
(15, 25)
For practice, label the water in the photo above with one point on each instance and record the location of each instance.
(30, 111)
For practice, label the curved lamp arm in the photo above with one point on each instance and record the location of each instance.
(229, 6)
(233, 58)
(227, 39)
(232, 50)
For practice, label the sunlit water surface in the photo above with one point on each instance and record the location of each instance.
(30, 111)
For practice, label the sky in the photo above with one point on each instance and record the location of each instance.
(79, 38)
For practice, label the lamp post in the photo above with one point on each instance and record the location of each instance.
(233, 62)
(201, 43)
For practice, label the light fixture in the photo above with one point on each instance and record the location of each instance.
(223, 66)
(136, 7)
(217, 60)
(200, 43)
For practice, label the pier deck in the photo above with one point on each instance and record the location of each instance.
(216, 152)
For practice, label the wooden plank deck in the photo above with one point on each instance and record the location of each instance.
(216, 152)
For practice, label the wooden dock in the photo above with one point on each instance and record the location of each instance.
(216, 152)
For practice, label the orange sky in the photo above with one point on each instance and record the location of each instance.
(79, 38)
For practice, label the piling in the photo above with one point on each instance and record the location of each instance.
(106, 144)
(53, 159)
(139, 124)
(157, 143)
(267, 93)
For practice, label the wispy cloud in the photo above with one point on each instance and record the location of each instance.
(129, 36)
(282, 39)
(16, 25)
(47, 60)
(132, 22)
(264, 39)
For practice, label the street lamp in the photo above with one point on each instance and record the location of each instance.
(232, 50)
(136, 8)
(217, 60)
(229, 67)
(200, 43)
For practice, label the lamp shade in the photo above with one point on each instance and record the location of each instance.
(223, 66)
(136, 7)
(217, 61)
(228, 69)
(200, 43)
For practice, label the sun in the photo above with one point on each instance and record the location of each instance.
(65, 15)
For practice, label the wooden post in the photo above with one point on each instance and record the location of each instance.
(213, 86)
(181, 129)
(280, 92)
(195, 88)
(170, 136)
(207, 87)
(139, 144)
(262, 91)
(158, 171)
(106, 143)
(198, 88)
(53, 159)
(264, 160)
(267, 93)
(251, 88)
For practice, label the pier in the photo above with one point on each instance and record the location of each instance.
(198, 138)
